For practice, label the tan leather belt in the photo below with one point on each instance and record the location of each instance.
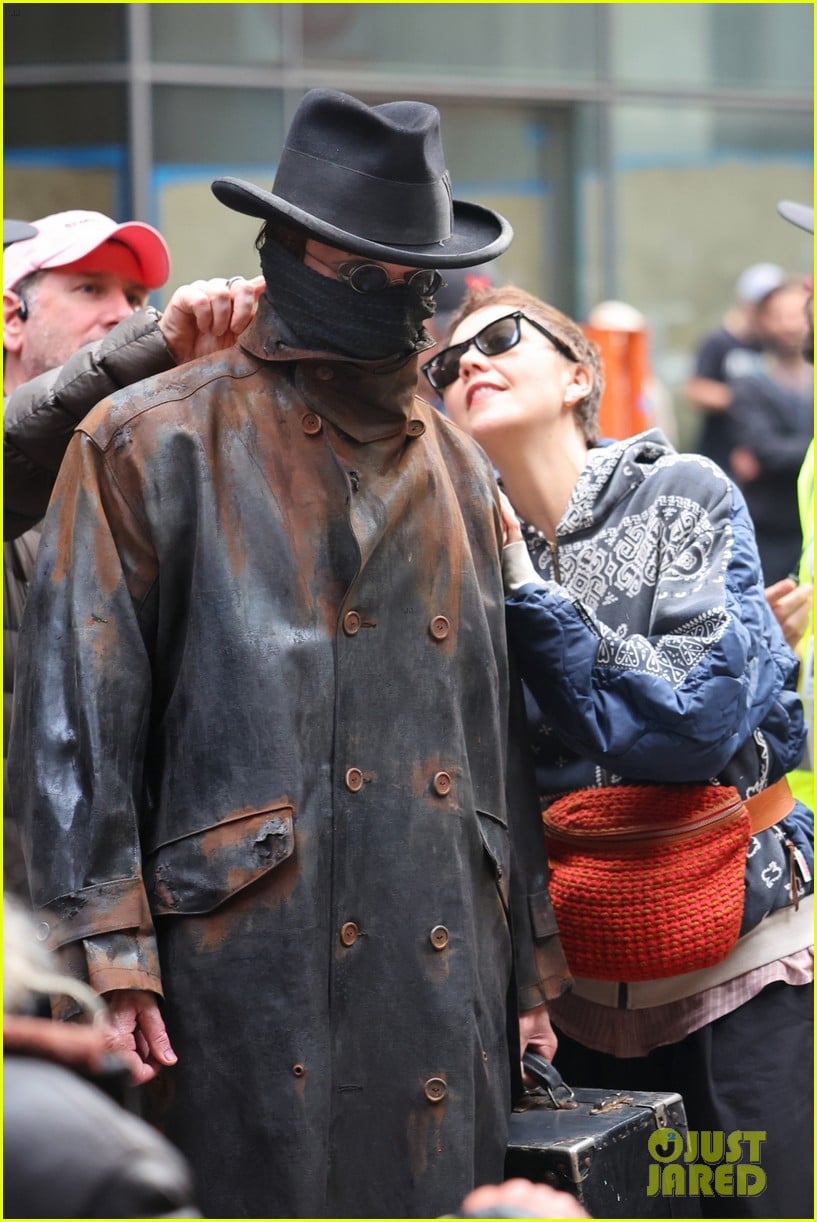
(770, 805)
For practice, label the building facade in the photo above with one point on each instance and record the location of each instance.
(638, 149)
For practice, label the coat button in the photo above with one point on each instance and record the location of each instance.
(415, 428)
(354, 779)
(325, 373)
(348, 933)
(311, 423)
(439, 937)
(439, 627)
(441, 783)
(351, 623)
(435, 1089)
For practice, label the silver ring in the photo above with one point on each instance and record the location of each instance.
(233, 279)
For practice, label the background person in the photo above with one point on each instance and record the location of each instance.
(81, 279)
(651, 660)
(282, 564)
(802, 779)
(772, 420)
(728, 352)
(69, 1150)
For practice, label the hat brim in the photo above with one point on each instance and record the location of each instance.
(479, 234)
(148, 247)
(797, 214)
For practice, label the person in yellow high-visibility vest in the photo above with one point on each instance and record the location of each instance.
(802, 779)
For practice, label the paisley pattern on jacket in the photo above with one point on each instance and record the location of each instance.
(650, 653)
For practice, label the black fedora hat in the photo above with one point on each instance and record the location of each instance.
(371, 180)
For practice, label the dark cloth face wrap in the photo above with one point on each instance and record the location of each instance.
(329, 316)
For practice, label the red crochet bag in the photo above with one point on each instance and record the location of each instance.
(647, 880)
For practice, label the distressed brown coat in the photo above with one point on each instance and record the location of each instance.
(260, 751)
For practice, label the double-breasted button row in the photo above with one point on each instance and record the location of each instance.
(354, 780)
(349, 931)
(439, 626)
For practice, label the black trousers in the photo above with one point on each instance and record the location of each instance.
(750, 1070)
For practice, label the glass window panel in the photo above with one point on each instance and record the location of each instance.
(63, 33)
(65, 147)
(216, 33)
(541, 43)
(695, 194)
(525, 178)
(64, 115)
(217, 125)
(713, 46)
(201, 134)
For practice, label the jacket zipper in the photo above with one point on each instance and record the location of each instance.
(554, 559)
(654, 832)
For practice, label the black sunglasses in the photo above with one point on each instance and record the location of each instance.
(497, 337)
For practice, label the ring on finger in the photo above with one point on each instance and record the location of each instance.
(232, 280)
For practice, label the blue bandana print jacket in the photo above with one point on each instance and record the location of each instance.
(650, 653)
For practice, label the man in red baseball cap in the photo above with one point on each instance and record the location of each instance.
(74, 330)
(70, 284)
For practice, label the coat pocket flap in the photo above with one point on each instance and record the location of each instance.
(196, 873)
(494, 836)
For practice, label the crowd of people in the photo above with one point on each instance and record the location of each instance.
(344, 771)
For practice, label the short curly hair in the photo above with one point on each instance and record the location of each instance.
(586, 410)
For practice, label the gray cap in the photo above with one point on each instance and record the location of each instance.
(758, 281)
(798, 214)
(16, 231)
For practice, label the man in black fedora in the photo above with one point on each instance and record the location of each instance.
(263, 751)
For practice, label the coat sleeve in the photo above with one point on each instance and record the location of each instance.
(539, 962)
(82, 696)
(41, 415)
(676, 702)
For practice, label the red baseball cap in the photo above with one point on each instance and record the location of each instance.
(133, 250)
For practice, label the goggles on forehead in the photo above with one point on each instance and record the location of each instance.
(495, 338)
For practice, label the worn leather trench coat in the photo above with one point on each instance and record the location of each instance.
(260, 750)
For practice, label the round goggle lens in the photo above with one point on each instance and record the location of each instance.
(372, 278)
(368, 277)
(425, 282)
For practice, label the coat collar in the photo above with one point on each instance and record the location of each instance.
(368, 400)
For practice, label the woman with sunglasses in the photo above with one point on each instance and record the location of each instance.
(655, 674)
